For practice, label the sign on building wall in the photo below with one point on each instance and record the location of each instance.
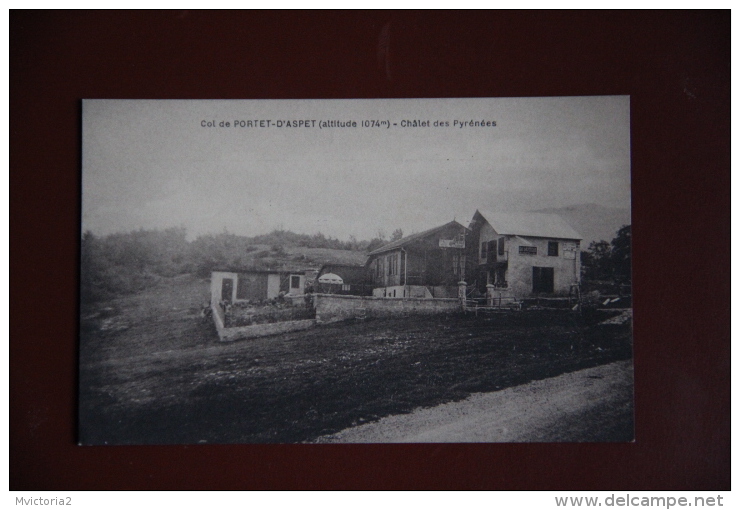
(569, 251)
(452, 243)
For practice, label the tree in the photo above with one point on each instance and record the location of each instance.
(397, 234)
(596, 261)
(609, 261)
(622, 254)
(353, 243)
(375, 243)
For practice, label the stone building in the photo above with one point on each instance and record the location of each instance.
(522, 255)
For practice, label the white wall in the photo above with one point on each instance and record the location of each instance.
(519, 273)
(273, 285)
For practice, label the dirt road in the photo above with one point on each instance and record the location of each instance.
(594, 404)
(153, 372)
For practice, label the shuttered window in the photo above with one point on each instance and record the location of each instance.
(492, 248)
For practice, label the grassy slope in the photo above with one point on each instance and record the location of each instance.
(292, 257)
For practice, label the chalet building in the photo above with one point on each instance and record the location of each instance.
(348, 279)
(522, 255)
(426, 264)
(233, 286)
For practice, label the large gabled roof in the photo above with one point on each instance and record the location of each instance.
(530, 224)
(413, 237)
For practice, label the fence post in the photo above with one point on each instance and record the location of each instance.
(462, 292)
(489, 295)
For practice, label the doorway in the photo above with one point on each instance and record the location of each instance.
(227, 289)
(543, 280)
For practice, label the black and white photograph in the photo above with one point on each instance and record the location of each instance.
(356, 271)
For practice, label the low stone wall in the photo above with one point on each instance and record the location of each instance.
(256, 330)
(334, 308)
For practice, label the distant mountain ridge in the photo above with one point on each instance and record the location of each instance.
(594, 222)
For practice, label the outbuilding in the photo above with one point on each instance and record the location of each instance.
(234, 286)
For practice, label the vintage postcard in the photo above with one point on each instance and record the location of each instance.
(356, 271)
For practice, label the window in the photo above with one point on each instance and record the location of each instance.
(527, 250)
(552, 248)
(500, 281)
(295, 282)
(345, 287)
(392, 269)
(492, 248)
(483, 250)
(501, 245)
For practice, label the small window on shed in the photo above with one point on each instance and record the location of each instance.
(552, 248)
(527, 250)
(295, 282)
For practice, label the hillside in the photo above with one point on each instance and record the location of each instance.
(320, 256)
(293, 257)
(124, 263)
(594, 222)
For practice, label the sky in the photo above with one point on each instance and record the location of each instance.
(157, 164)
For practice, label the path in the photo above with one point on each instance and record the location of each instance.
(589, 405)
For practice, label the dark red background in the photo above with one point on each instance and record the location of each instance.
(675, 66)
